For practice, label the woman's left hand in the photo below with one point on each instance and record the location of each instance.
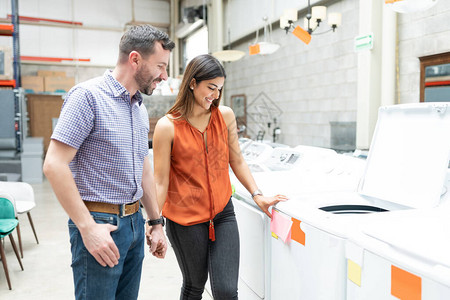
(265, 202)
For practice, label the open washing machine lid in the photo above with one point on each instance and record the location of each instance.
(409, 155)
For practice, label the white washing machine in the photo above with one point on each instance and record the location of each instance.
(244, 142)
(290, 169)
(406, 256)
(255, 154)
(312, 173)
(252, 222)
(254, 227)
(405, 169)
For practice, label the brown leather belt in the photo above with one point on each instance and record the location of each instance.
(122, 210)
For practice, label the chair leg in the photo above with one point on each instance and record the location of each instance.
(5, 266)
(15, 250)
(32, 226)
(20, 239)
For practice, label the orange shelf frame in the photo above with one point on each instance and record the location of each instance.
(53, 59)
(6, 29)
(37, 20)
(11, 83)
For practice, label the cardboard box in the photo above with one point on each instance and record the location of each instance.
(45, 73)
(6, 68)
(33, 84)
(58, 84)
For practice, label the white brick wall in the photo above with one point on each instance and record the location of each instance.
(313, 84)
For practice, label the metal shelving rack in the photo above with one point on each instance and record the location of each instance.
(16, 44)
(19, 98)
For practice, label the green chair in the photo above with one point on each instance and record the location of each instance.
(23, 195)
(8, 223)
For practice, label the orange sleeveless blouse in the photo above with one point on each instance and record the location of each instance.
(199, 183)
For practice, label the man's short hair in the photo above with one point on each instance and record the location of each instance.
(142, 38)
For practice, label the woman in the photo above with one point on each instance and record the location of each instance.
(193, 145)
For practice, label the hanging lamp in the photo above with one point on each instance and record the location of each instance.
(266, 46)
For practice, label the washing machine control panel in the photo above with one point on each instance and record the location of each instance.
(256, 152)
(283, 159)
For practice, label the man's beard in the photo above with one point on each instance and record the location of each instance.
(144, 84)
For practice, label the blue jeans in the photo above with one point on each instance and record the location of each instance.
(92, 281)
(197, 255)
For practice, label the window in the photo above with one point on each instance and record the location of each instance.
(435, 78)
(195, 44)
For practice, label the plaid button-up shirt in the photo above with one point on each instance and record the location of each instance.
(110, 132)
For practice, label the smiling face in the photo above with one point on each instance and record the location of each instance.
(206, 91)
(152, 70)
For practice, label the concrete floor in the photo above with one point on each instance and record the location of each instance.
(47, 273)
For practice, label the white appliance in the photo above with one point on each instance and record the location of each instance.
(254, 227)
(250, 218)
(244, 142)
(405, 169)
(306, 172)
(285, 165)
(255, 154)
(406, 256)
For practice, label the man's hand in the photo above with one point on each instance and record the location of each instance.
(98, 241)
(156, 240)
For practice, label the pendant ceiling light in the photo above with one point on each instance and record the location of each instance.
(266, 46)
(229, 55)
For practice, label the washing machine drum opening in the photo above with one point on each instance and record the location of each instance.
(352, 209)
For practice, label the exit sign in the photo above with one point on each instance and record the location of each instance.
(364, 42)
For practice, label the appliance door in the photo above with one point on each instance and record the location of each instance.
(252, 233)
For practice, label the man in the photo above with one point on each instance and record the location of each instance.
(97, 164)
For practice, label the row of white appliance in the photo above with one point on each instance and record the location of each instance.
(352, 229)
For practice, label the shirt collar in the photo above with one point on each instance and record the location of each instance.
(118, 89)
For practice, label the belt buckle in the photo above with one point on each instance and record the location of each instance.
(123, 210)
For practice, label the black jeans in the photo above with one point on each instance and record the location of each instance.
(197, 255)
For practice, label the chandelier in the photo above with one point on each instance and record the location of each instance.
(314, 17)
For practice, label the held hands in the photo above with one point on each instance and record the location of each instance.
(156, 240)
(265, 202)
(98, 241)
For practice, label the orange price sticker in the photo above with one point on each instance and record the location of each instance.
(303, 35)
(405, 285)
(254, 49)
